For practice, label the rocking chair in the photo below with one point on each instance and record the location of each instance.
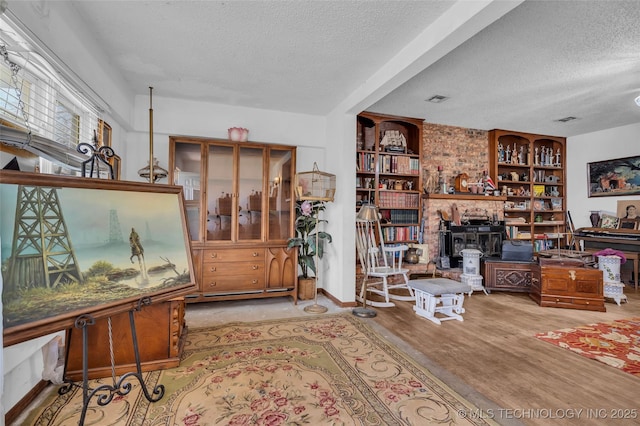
(379, 262)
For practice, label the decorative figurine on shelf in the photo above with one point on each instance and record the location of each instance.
(558, 164)
(536, 161)
(500, 153)
(521, 155)
(394, 141)
(514, 155)
(508, 155)
(442, 184)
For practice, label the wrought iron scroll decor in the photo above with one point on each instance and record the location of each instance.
(98, 160)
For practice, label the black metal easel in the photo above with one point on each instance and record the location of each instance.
(121, 386)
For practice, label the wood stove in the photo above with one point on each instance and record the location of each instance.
(480, 234)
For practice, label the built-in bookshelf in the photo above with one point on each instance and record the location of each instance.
(388, 172)
(529, 170)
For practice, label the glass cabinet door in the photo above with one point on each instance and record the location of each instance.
(187, 174)
(250, 190)
(221, 203)
(280, 196)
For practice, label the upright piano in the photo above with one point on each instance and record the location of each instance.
(625, 240)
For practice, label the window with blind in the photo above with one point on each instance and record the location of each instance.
(40, 111)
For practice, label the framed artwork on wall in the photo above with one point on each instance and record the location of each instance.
(617, 177)
(81, 246)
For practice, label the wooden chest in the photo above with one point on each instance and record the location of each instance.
(161, 333)
(569, 287)
(508, 275)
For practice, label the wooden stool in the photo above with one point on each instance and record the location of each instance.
(446, 293)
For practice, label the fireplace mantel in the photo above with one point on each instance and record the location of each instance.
(459, 196)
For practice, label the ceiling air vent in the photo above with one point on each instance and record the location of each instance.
(436, 99)
(566, 119)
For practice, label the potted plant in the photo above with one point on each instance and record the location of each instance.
(309, 241)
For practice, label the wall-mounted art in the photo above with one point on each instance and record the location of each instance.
(72, 246)
(617, 177)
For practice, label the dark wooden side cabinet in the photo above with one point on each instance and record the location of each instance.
(504, 275)
(569, 287)
(161, 332)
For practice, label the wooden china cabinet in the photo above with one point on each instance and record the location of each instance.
(240, 214)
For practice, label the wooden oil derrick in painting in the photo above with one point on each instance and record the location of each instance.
(41, 252)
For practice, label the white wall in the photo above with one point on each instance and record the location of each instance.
(189, 118)
(608, 144)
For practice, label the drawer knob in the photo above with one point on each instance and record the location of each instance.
(254, 267)
(214, 255)
(254, 281)
(213, 284)
(255, 254)
(212, 269)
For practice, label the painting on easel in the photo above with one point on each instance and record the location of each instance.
(73, 246)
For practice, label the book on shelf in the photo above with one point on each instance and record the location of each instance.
(398, 164)
(400, 233)
(389, 199)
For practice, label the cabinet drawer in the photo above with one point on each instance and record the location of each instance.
(594, 304)
(235, 255)
(219, 269)
(236, 283)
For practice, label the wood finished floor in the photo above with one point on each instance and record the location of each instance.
(493, 350)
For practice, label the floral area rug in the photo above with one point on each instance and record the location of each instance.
(615, 343)
(321, 370)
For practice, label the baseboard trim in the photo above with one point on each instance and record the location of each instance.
(26, 400)
(336, 301)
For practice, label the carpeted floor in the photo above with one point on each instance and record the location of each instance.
(330, 369)
(615, 343)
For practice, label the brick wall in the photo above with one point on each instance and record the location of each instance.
(457, 150)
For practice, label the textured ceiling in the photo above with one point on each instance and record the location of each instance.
(542, 61)
(299, 56)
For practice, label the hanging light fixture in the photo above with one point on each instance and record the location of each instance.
(152, 171)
